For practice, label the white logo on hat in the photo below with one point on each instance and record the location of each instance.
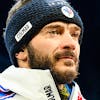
(23, 31)
(67, 12)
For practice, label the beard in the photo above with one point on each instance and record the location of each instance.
(38, 61)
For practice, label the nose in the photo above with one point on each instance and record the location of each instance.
(67, 42)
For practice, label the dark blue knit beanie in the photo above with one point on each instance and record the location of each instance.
(32, 17)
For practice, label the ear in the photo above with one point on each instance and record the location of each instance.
(22, 55)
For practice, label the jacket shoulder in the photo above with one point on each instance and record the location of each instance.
(5, 93)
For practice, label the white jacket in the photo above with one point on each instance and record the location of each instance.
(31, 84)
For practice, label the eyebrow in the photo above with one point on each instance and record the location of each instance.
(58, 26)
(53, 26)
(77, 28)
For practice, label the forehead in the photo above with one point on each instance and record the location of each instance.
(59, 24)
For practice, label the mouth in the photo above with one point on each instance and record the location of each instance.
(67, 57)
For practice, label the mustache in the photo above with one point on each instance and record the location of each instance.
(66, 54)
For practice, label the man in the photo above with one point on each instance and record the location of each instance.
(43, 40)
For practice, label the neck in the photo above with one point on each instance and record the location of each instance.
(60, 86)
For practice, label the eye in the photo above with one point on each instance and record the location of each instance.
(75, 35)
(54, 32)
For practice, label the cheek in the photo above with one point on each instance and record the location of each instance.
(44, 46)
(78, 50)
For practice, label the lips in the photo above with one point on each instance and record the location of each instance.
(66, 55)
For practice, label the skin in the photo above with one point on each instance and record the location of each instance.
(58, 44)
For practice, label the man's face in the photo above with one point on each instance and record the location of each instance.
(56, 47)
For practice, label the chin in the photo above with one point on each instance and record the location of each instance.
(65, 75)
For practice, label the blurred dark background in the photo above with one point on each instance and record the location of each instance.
(88, 79)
